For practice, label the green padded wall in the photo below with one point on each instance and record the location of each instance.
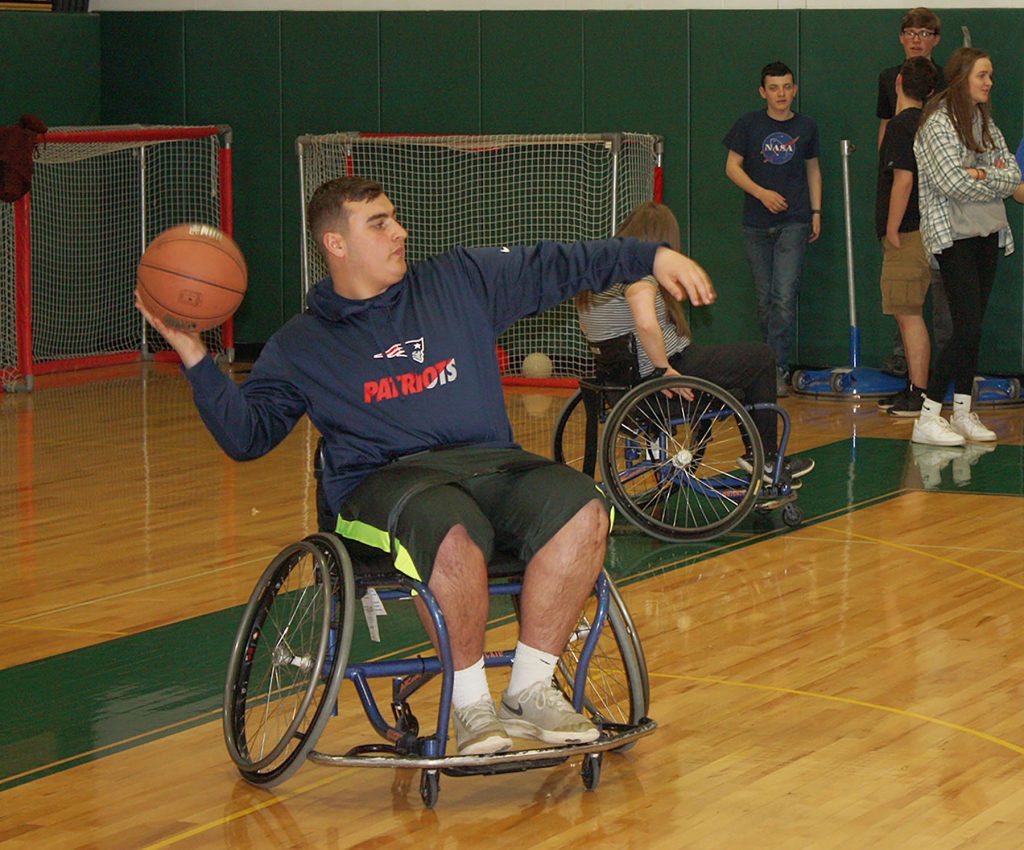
(143, 64)
(532, 72)
(50, 66)
(324, 89)
(429, 72)
(233, 76)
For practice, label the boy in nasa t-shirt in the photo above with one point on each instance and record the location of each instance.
(773, 158)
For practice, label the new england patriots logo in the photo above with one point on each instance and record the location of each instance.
(403, 349)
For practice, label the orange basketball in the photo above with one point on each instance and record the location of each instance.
(192, 277)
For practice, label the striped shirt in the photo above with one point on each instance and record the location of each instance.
(942, 160)
(608, 316)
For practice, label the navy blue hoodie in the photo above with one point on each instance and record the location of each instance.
(410, 369)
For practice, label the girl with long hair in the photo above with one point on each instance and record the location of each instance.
(965, 170)
(662, 338)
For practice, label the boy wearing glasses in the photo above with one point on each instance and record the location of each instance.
(920, 34)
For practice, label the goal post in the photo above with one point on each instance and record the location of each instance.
(71, 246)
(479, 190)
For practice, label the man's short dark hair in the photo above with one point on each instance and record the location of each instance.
(776, 69)
(921, 17)
(919, 77)
(326, 209)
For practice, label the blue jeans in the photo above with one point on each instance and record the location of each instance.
(776, 256)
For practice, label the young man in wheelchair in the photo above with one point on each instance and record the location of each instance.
(395, 366)
(640, 334)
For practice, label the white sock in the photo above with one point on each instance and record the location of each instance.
(531, 666)
(470, 685)
(961, 404)
(931, 408)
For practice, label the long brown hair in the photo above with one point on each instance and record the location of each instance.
(957, 100)
(651, 222)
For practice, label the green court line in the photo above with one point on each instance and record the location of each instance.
(88, 703)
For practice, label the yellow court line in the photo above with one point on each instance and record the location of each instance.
(241, 813)
(135, 590)
(902, 712)
(903, 547)
(59, 629)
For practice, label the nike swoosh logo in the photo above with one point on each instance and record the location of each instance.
(505, 250)
(516, 711)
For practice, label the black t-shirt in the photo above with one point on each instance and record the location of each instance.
(897, 151)
(775, 155)
(886, 108)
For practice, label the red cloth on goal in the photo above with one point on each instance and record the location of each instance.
(16, 145)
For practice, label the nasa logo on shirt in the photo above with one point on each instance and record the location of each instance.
(778, 148)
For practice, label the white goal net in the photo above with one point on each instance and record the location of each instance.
(495, 190)
(98, 197)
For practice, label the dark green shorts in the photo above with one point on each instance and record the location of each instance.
(506, 499)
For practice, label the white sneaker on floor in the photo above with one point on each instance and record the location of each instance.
(935, 431)
(969, 426)
(478, 730)
(542, 712)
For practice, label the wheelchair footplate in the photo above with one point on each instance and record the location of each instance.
(613, 736)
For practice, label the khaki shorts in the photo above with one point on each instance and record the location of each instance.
(906, 275)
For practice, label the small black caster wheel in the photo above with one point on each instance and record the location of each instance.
(792, 515)
(838, 382)
(430, 781)
(591, 770)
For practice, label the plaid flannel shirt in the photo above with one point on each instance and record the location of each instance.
(942, 160)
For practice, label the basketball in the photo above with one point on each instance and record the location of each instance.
(537, 365)
(192, 277)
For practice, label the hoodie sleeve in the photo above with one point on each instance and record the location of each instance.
(523, 281)
(247, 420)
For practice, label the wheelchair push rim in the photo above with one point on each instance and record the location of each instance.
(288, 658)
(670, 465)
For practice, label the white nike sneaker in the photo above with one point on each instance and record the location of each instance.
(969, 426)
(935, 431)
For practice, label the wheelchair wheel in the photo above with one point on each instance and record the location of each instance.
(576, 432)
(617, 686)
(670, 465)
(289, 658)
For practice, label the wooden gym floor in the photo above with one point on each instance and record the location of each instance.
(857, 682)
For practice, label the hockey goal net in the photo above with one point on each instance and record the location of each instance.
(71, 246)
(496, 190)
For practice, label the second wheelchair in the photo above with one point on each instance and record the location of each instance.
(680, 457)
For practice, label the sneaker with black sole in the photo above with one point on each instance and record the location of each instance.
(888, 401)
(541, 711)
(792, 466)
(478, 730)
(908, 405)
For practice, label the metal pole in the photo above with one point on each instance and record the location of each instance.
(847, 148)
(299, 145)
(144, 350)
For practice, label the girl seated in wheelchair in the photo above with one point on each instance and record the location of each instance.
(635, 316)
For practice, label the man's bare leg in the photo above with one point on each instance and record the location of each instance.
(560, 577)
(459, 584)
(557, 581)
